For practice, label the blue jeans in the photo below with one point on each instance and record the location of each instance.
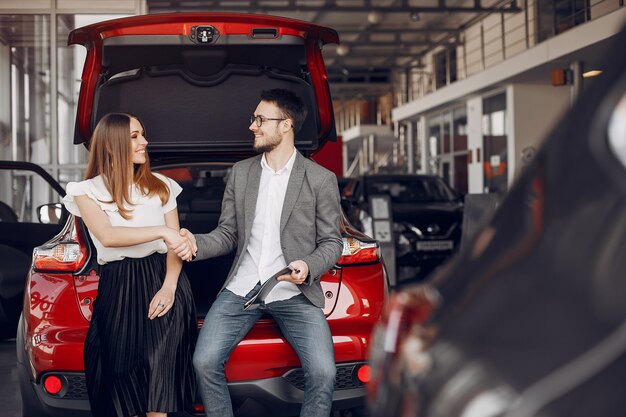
(303, 325)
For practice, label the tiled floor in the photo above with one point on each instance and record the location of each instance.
(9, 386)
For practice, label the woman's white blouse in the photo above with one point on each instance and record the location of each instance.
(146, 211)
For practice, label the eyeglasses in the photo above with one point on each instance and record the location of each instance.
(259, 120)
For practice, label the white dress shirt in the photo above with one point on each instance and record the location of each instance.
(264, 256)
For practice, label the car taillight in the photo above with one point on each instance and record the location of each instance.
(196, 410)
(356, 251)
(66, 252)
(363, 374)
(52, 384)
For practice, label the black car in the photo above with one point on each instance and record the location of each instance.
(530, 319)
(426, 217)
(29, 215)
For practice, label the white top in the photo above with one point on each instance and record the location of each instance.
(264, 256)
(147, 211)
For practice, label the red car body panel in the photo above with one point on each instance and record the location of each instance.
(58, 313)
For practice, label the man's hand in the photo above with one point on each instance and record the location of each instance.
(189, 248)
(300, 270)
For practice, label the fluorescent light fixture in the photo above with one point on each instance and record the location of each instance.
(343, 50)
(592, 73)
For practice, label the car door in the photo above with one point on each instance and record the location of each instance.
(30, 214)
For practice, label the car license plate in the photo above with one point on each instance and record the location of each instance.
(435, 245)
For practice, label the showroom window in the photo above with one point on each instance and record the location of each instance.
(495, 159)
(25, 85)
(40, 81)
(447, 147)
(72, 158)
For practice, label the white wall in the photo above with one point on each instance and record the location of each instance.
(535, 109)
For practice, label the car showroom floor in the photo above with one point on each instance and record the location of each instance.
(9, 387)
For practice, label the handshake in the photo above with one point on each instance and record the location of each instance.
(182, 242)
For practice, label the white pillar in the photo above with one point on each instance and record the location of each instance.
(475, 145)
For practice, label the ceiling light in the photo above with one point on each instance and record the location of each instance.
(592, 73)
(343, 50)
(415, 16)
(375, 17)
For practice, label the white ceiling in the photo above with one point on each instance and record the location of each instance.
(377, 36)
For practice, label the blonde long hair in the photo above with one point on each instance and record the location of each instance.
(110, 156)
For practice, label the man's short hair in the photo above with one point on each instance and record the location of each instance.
(289, 104)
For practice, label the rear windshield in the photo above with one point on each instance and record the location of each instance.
(411, 190)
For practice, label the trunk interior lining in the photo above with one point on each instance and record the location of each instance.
(179, 109)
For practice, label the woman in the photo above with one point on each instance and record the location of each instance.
(140, 343)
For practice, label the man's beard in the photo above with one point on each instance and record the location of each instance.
(269, 145)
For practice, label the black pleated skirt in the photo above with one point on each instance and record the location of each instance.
(133, 364)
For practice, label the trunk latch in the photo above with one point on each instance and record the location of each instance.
(204, 34)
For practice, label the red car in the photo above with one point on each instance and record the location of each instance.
(194, 80)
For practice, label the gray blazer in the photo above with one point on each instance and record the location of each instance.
(309, 223)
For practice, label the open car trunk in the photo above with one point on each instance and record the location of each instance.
(195, 98)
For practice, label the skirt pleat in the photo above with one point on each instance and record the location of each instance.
(133, 364)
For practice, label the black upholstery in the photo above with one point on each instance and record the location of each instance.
(178, 108)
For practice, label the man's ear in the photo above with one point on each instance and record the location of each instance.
(288, 125)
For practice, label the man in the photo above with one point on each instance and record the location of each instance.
(279, 209)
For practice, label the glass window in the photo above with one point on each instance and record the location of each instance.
(441, 69)
(447, 137)
(411, 190)
(25, 86)
(70, 67)
(70, 175)
(434, 143)
(557, 16)
(495, 144)
(21, 193)
(460, 129)
(445, 67)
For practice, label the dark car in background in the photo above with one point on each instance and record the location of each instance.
(30, 213)
(529, 319)
(194, 80)
(427, 217)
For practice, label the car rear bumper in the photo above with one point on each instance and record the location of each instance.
(278, 397)
(265, 397)
(36, 402)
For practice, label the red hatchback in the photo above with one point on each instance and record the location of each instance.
(194, 79)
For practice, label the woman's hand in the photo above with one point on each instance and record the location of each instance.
(191, 241)
(162, 302)
(178, 243)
